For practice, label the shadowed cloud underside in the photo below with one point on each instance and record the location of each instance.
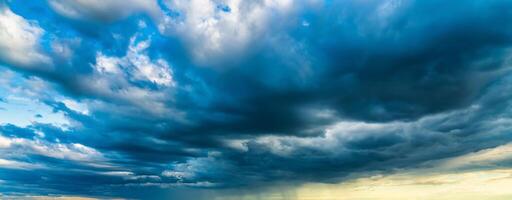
(230, 99)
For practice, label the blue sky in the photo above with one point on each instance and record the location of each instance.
(264, 99)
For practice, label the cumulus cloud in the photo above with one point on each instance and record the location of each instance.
(203, 95)
(131, 79)
(221, 28)
(137, 65)
(20, 40)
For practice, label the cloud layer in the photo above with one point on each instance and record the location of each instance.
(149, 99)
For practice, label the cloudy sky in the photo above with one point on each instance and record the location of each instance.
(255, 99)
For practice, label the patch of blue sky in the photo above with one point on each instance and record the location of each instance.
(224, 8)
(20, 104)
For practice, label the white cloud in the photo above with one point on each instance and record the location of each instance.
(71, 151)
(105, 64)
(212, 31)
(338, 135)
(76, 106)
(118, 173)
(114, 76)
(76, 152)
(12, 164)
(13, 147)
(158, 72)
(64, 48)
(237, 144)
(193, 169)
(129, 99)
(178, 175)
(127, 175)
(4, 142)
(332, 141)
(136, 65)
(19, 40)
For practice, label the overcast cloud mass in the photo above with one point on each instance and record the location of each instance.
(218, 99)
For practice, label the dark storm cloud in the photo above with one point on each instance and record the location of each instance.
(324, 91)
(402, 67)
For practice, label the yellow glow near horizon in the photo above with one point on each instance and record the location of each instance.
(487, 184)
(482, 180)
(443, 182)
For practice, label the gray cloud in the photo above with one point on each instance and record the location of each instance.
(209, 99)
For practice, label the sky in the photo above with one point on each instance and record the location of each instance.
(255, 99)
